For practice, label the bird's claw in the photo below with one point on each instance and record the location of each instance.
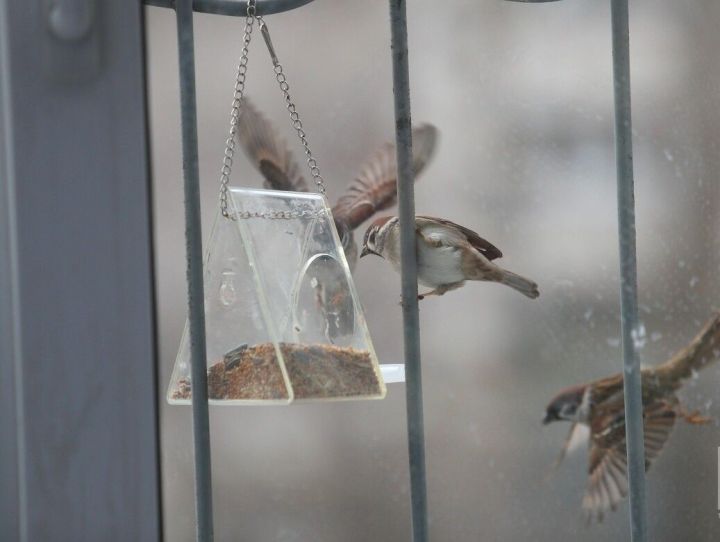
(420, 297)
(695, 418)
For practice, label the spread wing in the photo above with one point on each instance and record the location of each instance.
(486, 248)
(267, 151)
(375, 188)
(607, 473)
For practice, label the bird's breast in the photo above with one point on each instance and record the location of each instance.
(439, 265)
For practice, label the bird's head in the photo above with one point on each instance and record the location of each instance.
(374, 240)
(566, 405)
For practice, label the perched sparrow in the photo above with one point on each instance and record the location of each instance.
(447, 255)
(600, 406)
(373, 190)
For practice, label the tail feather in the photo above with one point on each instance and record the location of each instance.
(525, 286)
(703, 350)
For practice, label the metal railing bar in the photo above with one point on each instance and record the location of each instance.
(233, 8)
(411, 320)
(628, 270)
(193, 240)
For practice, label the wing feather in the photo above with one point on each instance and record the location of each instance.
(375, 188)
(267, 151)
(486, 248)
(607, 466)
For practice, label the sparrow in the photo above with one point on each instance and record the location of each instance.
(600, 406)
(447, 255)
(373, 189)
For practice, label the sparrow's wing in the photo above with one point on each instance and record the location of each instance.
(608, 479)
(427, 226)
(375, 188)
(267, 151)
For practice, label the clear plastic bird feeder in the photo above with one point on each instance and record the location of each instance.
(283, 320)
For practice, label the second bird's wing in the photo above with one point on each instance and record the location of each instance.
(607, 468)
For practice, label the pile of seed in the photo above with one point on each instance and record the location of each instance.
(315, 371)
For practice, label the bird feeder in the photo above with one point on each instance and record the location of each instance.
(282, 315)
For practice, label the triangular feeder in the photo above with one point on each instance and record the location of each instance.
(283, 320)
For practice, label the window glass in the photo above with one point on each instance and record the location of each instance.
(522, 97)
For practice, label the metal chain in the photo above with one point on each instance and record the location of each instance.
(294, 116)
(279, 215)
(238, 95)
(235, 112)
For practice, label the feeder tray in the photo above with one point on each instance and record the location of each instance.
(283, 320)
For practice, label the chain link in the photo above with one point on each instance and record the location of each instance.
(294, 116)
(238, 93)
(230, 142)
(282, 215)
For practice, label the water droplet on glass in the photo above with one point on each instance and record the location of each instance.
(694, 281)
(655, 336)
(681, 264)
(668, 155)
(613, 341)
(228, 294)
(639, 336)
(588, 314)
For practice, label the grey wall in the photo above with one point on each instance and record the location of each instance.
(79, 450)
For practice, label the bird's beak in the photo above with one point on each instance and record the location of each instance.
(365, 251)
(548, 418)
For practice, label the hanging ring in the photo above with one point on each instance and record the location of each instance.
(251, 8)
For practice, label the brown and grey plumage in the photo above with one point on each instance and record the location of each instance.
(600, 405)
(448, 254)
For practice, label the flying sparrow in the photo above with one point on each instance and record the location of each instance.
(373, 190)
(447, 255)
(600, 406)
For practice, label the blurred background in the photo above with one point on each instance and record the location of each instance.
(522, 95)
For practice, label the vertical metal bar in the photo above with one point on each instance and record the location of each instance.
(628, 270)
(193, 239)
(411, 320)
(13, 493)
